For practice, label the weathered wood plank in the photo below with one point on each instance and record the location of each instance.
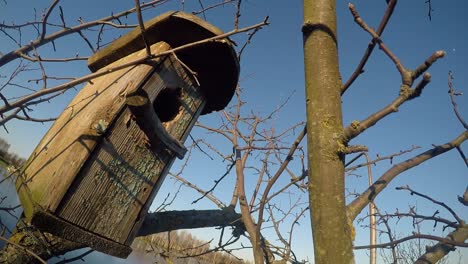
(160, 28)
(115, 187)
(48, 222)
(52, 167)
(97, 170)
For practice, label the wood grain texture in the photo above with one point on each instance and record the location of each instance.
(62, 229)
(115, 187)
(57, 159)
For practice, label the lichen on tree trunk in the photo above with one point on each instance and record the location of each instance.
(331, 231)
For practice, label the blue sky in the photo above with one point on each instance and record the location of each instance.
(272, 70)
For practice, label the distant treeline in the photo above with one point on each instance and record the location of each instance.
(8, 157)
(182, 247)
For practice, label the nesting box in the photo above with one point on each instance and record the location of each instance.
(95, 173)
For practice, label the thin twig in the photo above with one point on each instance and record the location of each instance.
(216, 183)
(212, 6)
(356, 206)
(193, 186)
(415, 236)
(247, 42)
(278, 173)
(377, 39)
(6, 58)
(202, 8)
(370, 47)
(462, 155)
(390, 236)
(238, 14)
(413, 192)
(454, 103)
(429, 9)
(142, 27)
(46, 16)
(389, 157)
(91, 76)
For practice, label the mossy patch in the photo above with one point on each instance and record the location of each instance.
(405, 90)
(355, 124)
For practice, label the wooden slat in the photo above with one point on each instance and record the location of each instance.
(47, 222)
(57, 159)
(114, 189)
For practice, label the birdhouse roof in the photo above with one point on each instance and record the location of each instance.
(215, 62)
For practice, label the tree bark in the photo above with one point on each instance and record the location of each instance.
(174, 220)
(331, 231)
(46, 245)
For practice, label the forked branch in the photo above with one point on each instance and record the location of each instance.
(356, 206)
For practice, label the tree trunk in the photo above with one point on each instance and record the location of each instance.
(331, 231)
(250, 226)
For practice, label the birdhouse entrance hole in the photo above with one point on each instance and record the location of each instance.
(167, 104)
(94, 186)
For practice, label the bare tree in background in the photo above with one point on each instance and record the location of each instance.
(395, 251)
(252, 148)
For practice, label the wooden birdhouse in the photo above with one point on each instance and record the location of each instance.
(95, 173)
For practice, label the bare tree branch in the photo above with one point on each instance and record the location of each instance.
(452, 212)
(445, 246)
(46, 16)
(416, 236)
(224, 2)
(369, 195)
(67, 31)
(370, 47)
(173, 220)
(378, 159)
(142, 27)
(91, 76)
(452, 99)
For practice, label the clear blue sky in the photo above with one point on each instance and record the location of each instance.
(272, 70)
